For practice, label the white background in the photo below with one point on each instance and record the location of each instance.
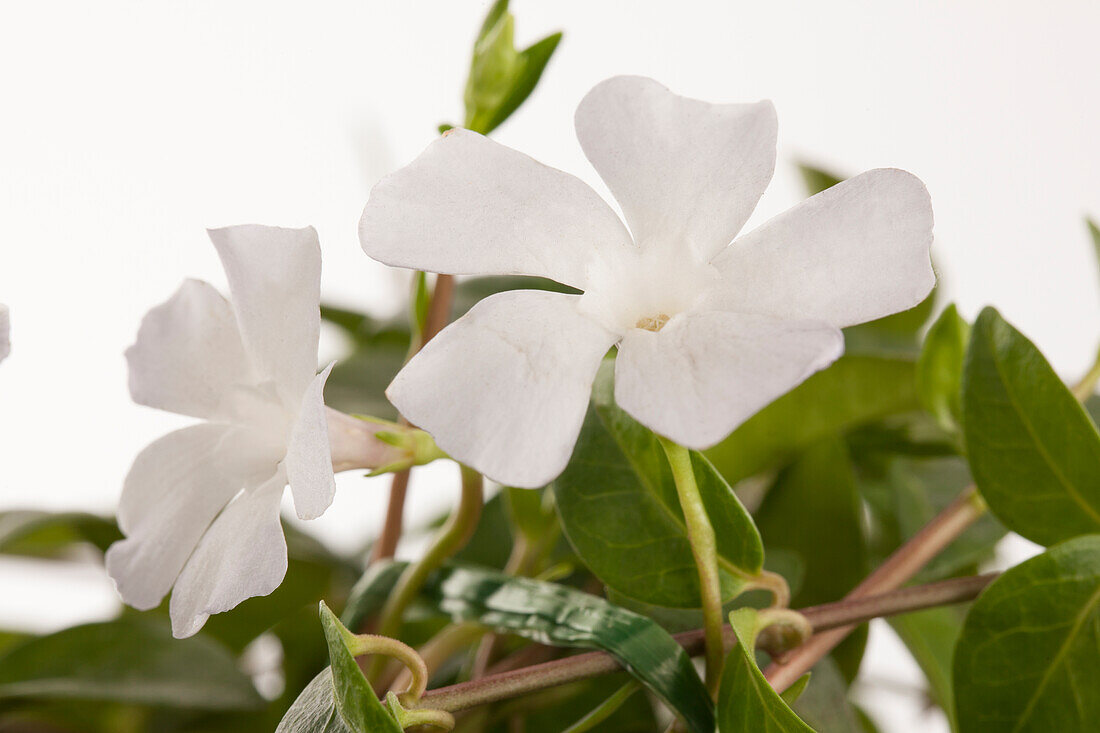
(128, 127)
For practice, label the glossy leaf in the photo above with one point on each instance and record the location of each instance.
(501, 77)
(1033, 450)
(940, 368)
(1027, 659)
(620, 511)
(854, 391)
(133, 660)
(559, 616)
(746, 702)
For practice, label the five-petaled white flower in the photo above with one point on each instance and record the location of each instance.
(708, 332)
(5, 332)
(200, 506)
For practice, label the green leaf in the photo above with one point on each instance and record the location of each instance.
(420, 302)
(500, 77)
(315, 709)
(1094, 232)
(817, 180)
(560, 616)
(931, 636)
(940, 368)
(1027, 659)
(792, 693)
(49, 534)
(904, 494)
(531, 512)
(355, 700)
(854, 391)
(620, 511)
(814, 510)
(132, 660)
(746, 702)
(825, 705)
(1033, 450)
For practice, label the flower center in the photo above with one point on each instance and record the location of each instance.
(644, 289)
(652, 323)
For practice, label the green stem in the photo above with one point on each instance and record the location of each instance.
(705, 549)
(454, 535)
(1084, 389)
(605, 709)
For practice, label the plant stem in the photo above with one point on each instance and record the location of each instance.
(604, 710)
(506, 685)
(1084, 389)
(705, 549)
(897, 570)
(439, 313)
(906, 562)
(452, 537)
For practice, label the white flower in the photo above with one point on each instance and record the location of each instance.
(5, 332)
(708, 332)
(200, 506)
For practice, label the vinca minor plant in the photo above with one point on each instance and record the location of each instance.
(693, 462)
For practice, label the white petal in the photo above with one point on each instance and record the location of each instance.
(705, 373)
(242, 555)
(174, 490)
(470, 206)
(504, 389)
(188, 354)
(852, 253)
(308, 458)
(275, 280)
(5, 332)
(686, 173)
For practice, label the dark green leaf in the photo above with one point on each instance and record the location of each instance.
(354, 699)
(1033, 450)
(560, 616)
(854, 391)
(132, 660)
(746, 702)
(904, 494)
(940, 368)
(48, 534)
(814, 511)
(825, 705)
(930, 637)
(1027, 659)
(620, 510)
